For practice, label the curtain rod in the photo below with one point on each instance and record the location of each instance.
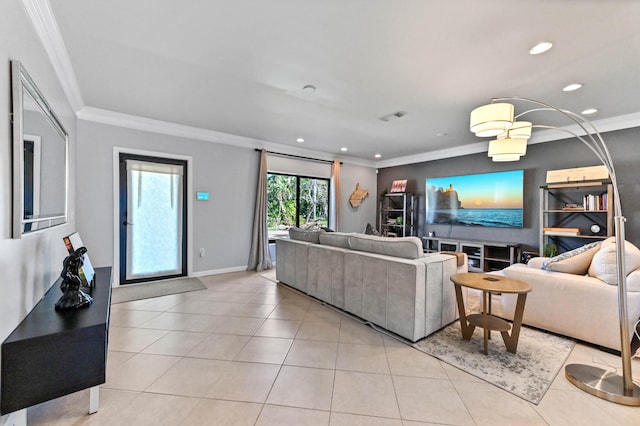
(298, 156)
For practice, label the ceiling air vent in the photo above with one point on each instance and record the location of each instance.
(393, 116)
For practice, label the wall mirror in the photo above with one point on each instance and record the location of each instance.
(40, 158)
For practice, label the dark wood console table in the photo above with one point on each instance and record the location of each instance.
(52, 354)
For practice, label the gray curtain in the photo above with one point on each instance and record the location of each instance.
(260, 258)
(335, 199)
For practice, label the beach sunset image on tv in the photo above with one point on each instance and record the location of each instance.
(487, 199)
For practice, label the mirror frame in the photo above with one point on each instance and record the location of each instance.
(20, 82)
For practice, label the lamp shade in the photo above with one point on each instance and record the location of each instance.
(510, 149)
(492, 119)
(505, 157)
(520, 130)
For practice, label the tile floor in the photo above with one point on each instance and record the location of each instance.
(247, 351)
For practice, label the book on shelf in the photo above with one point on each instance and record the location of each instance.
(573, 206)
(569, 232)
(595, 202)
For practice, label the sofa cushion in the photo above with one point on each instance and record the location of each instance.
(309, 235)
(633, 281)
(603, 265)
(335, 239)
(536, 262)
(405, 247)
(575, 261)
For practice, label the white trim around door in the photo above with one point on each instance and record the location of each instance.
(116, 204)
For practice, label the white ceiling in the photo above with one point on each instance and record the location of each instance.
(239, 66)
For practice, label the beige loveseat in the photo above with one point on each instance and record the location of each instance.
(387, 281)
(582, 301)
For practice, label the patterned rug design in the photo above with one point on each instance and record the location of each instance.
(129, 292)
(527, 374)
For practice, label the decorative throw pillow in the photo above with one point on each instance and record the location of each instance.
(370, 230)
(604, 267)
(576, 261)
(308, 235)
(536, 262)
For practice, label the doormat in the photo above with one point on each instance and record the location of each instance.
(129, 292)
(527, 374)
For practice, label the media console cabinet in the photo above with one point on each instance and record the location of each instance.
(483, 256)
(55, 353)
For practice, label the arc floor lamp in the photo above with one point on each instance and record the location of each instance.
(497, 120)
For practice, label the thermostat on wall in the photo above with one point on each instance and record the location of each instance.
(202, 196)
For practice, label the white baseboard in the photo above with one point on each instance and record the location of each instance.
(219, 271)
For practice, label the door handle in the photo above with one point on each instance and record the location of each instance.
(126, 223)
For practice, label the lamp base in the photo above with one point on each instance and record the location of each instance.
(602, 383)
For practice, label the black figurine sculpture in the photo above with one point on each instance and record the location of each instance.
(72, 296)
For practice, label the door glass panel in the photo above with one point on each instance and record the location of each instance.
(154, 219)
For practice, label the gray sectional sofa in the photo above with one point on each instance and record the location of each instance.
(387, 281)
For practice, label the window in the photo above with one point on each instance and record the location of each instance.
(296, 201)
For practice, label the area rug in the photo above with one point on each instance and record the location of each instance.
(527, 374)
(129, 292)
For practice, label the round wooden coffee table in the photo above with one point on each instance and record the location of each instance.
(490, 284)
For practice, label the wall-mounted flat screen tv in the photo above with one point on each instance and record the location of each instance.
(487, 199)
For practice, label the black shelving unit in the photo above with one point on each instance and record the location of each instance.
(398, 214)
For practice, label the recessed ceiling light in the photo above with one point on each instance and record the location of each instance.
(589, 111)
(344, 149)
(540, 48)
(309, 88)
(572, 87)
(377, 155)
(300, 140)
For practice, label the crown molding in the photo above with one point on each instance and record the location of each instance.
(118, 119)
(457, 151)
(621, 122)
(44, 22)
(102, 116)
(604, 125)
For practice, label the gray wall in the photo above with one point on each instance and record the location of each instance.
(222, 225)
(356, 219)
(29, 265)
(562, 154)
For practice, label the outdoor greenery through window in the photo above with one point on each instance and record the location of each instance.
(296, 201)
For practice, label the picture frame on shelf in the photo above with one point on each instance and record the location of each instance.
(399, 186)
(87, 273)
